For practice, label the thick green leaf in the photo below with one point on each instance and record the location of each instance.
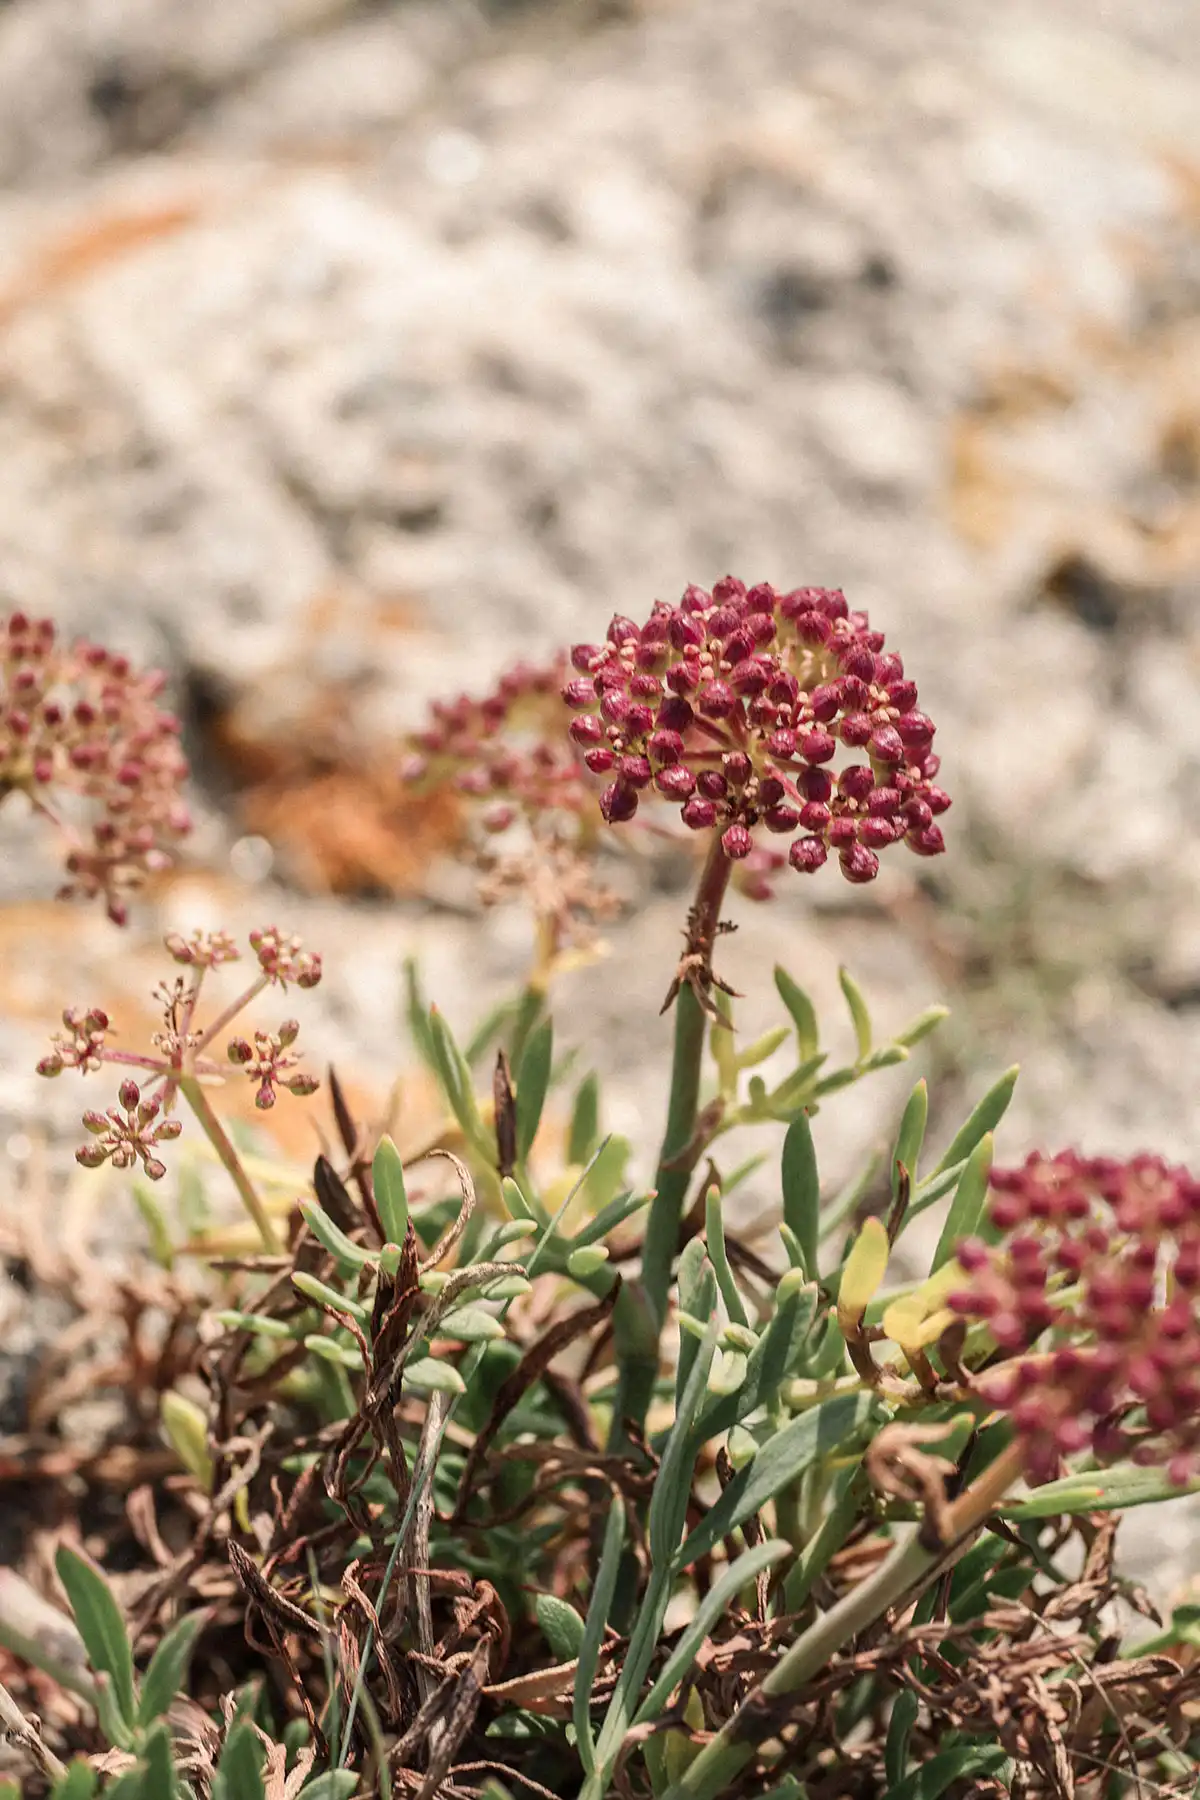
(165, 1677)
(802, 1191)
(391, 1196)
(922, 1025)
(781, 1460)
(697, 1289)
(593, 1634)
(966, 1208)
(895, 1750)
(804, 1015)
(936, 1775)
(160, 1765)
(585, 1122)
(1099, 1490)
(533, 1082)
(859, 1016)
(334, 1784)
(986, 1116)
(561, 1626)
(239, 1772)
(79, 1783)
(715, 1603)
(101, 1627)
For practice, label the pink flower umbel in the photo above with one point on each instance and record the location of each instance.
(82, 734)
(531, 808)
(760, 713)
(1093, 1301)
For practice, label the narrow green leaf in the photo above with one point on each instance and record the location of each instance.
(614, 1214)
(719, 1598)
(160, 1765)
(714, 1237)
(321, 1294)
(922, 1025)
(258, 1323)
(966, 1208)
(533, 1082)
(240, 1769)
(781, 1460)
(334, 1784)
(132, 1785)
(416, 1009)
(910, 1136)
(391, 1196)
(673, 1483)
(166, 1676)
(803, 1013)
(761, 1048)
(584, 1134)
(526, 1014)
(451, 1068)
(561, 1625)
(1097, 1490)
(895, 1750)
(802, 1191)
(593, 1633)
(986, 1116)
(343, 1356)
(941, 1771)
(583, 1264)
(101, 1626)
(859, 1016)
(349, 1254)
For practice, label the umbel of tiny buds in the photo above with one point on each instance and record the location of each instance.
(182, 1060)
(83, 736)
(739, 707)
(1092, 1298)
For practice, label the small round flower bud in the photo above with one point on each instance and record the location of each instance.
(580, 694)
(915, 730)
(859, 864)
(676, 782)
(929, 842)
(600, 761)
(635, 770)
(886, 745)
(664, 746)
(817, 746)
(129, 1093)
(782, 818)
(815, 815)
(698, 814)
(618, 803)
(782, 744)
(738, 767)
(736, 842)
(583, 657)
(857, 781)
(585, 730)
(807, 855)
(715, 700)
(712, 784)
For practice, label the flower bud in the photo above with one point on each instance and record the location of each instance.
(698, 814)
(807, 855)
(618, 803)
(129, 1093)
(676, 782)
(736, 842)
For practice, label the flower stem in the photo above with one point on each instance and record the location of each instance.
(679, 1154)
(214, 1131)
(910, 1567)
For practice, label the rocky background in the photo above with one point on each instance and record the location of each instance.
(348, 351)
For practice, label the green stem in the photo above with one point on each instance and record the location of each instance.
(214, 1131)
(677, 1159)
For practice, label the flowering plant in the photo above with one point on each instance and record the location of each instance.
(562, 1483)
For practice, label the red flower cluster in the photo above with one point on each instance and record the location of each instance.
(80, 725)
(504, 750)
(1094, 1299)
(734, 705)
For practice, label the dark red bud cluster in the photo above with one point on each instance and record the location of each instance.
(1093, 1297)
(81, 732)
(735, 706)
